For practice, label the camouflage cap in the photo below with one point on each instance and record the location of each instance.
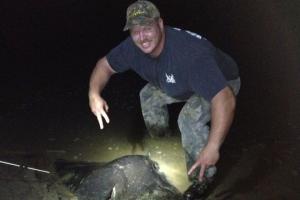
(141, 12)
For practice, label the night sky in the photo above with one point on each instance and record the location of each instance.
(48, 49)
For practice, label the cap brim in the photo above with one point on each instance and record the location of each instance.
(138, 21)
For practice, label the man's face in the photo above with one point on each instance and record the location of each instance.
(148, 38)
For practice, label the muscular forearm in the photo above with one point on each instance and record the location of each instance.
(100, 76)
(222, 113)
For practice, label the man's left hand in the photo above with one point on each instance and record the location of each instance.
(208, 157)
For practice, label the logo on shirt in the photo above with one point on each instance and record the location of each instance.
(170, 78)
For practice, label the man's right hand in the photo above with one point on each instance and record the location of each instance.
(99, 107)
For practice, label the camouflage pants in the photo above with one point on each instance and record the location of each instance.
(192, 119)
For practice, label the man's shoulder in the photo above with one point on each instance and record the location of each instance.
(179, 32)
(187, 42)
(187, 38)
(126, 46)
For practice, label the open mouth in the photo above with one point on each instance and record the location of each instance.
(145, 44)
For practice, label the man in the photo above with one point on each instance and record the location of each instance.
(180, 66)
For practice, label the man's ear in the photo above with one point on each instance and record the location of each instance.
(161, 23)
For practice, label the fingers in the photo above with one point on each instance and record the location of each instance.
(201, 173)
(103, 113)
(202, 170)
(106, 107)
(192, 168)
(99, 120)
(99, 107)
(99, 116)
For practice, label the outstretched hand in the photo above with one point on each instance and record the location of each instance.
(100, 108)
(208, 157)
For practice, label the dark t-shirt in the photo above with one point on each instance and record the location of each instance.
(187, 65)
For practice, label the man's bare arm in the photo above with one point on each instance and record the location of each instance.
(222, 113)
(100, 76)
(98, 80)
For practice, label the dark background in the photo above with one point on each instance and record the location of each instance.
(48, 49)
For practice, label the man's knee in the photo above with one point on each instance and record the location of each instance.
(145, 93)
(194, 116)
(182, 120)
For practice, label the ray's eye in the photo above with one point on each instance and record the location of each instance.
(155, 165)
